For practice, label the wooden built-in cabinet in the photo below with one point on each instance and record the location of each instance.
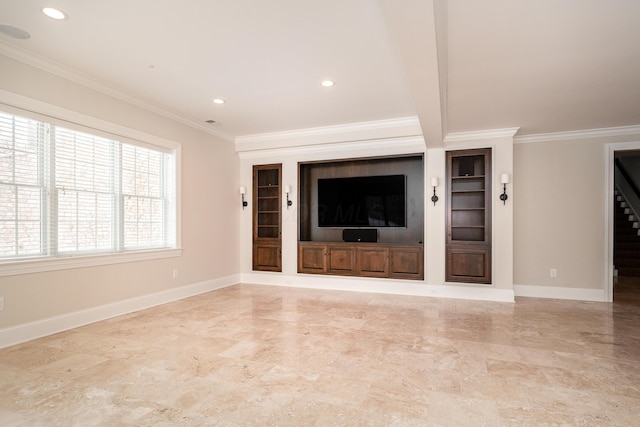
(406, 262)
(468, 224)
(373, 261)
(398, 261)
(326, 258)
(267, 217)
(397, 252)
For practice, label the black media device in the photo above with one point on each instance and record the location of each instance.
(360, 235)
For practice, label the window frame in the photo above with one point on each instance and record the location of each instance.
(38, 110)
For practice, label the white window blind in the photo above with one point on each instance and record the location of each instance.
(65, 192)
(85, 192)
(147, 209)
(22, 187)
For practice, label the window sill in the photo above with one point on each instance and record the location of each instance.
(12, 268)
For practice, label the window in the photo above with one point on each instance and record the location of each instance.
(85, 192)
(65, 193)
(22, 187)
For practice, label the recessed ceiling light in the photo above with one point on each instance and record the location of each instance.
(327, 83)
(54, 13)
(218, 101)
(15, 32)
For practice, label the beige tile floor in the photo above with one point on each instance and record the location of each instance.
(258, 355)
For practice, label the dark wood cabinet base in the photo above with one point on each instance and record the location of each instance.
(387, 260)
(468, 264)
(267, 256)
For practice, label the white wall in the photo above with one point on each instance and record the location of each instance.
(556, 215)
(362, 144)
(289, 158)
(210, 220)
(559, 224)
(501, 142)
(563, 214)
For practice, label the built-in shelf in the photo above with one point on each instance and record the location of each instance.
(267, 218)
(468, 206)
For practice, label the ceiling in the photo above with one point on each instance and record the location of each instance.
(460, 65)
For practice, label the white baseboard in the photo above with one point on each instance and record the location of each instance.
(382, 286)
(578, 294)
(40, 328)
(473, 292)
(29, 331)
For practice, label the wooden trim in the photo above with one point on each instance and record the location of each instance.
(267, 217)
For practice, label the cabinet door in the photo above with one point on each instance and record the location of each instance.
(468, 265)
(372, 261)
(312, 258)
(341, 260)
(267, 217)
(406, 262)
(266, 256)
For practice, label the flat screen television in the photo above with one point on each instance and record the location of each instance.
(362, 201)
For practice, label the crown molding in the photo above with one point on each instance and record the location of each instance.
(352, 132)
(578, 134)
(349, 149)
(480, 135)
(57, 69)
(44, 111)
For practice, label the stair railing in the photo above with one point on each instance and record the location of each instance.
(628, 188)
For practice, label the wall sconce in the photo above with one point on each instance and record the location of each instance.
(434, 184)
(243, 191)
(287, 190)
(504, 180)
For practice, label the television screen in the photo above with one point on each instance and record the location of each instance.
(363, 201)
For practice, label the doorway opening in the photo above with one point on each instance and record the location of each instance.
(623, 209)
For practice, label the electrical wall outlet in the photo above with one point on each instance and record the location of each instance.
(1, 303)
(175, 273)
(553, 272)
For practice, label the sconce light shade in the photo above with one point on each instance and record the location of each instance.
(504, 180)
(243, 189)
(434, 184)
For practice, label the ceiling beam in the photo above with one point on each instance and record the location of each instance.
(418, 28)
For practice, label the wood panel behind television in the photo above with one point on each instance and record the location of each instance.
(412, 166)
